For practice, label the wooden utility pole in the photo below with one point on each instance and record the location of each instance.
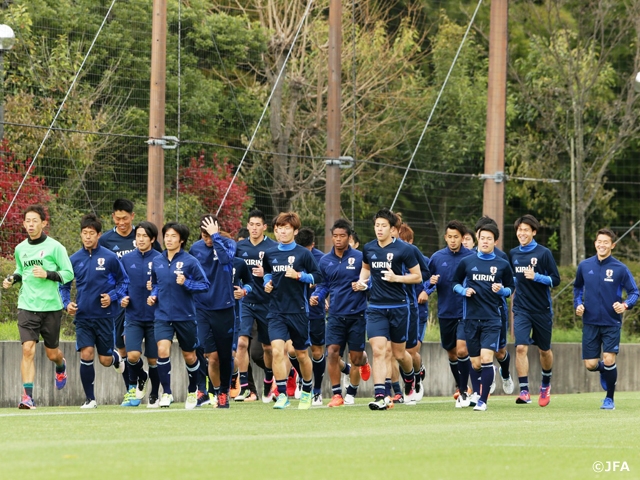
(332, 198)
(155, 182)
(493, 203)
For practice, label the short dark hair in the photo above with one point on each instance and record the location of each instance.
(456, 225)
(90, 220)
(288, 218)
(527, 219)
(306, 237)
(490, 227)
(39, 209)
(471, 234)
(124, 205)
(484, 220)
(356, 238)
(242, 233)
(255, 213)
(387, 215)
(608, 232)
(205, 217)
(181, 229)
(343, 224)
(150, 229)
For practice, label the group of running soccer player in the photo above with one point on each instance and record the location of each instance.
(296, 310)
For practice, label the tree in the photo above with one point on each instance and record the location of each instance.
(574, 108)
(210, 183)
(34, 190)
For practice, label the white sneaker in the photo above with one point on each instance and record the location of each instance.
(167, 399)
(317, 400)
(153, 402)
(473, 399)
(89, 404)
(349, 399)
(480, 407)
(409, 398)
(142, 387)
(298, 391)
(493, 384)
(419, 392)
(191, 402)
(122, 364)
(507, 384)
(463, 400)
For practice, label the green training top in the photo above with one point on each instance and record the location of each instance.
(41, 294)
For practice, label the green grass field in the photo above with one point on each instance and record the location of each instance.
(431, 440)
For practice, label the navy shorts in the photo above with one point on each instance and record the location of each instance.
(119, 327)
(451, 330)
(236, 325)
(423, 319)
(255, 312)
(186, 331)
(215, 328)
(533, 329)
(317, 328)
(348, 329)
(482, 334)
(135, 331)
(599, 338)
(294, 326)
(391, 323)
(412, 332)
(95, 331)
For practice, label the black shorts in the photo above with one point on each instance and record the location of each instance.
(33, 324)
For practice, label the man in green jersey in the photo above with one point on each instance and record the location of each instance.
(41, 264)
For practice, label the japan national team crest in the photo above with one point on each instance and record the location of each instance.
(261, 255)
(389, 257)
(609, 273)
(534, 261)
(150, 265)
(179, 265)
(291, 259)
(100, 264)
(41, 254)
(493, 270)
(351, 262)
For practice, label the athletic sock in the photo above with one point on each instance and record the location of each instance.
(397, 389)
(408, 380)
(295, 364)
(164, 374)
(380, 390)
(524, 383)
(28, 388)
(244, 380)
(464, 366)
(155, 380)
(336, 390)
(504, 365)
(352, 390)
(87, 377)
(268, 375)
(135, 371)
(455, 368)
(475, 379)
(282, 386)
(193, 373)
(62, 367)
(488, 374)
(387, 387)
(306, 385)
(610, 374)
(319, 366)
(546, 377)
(346, 369)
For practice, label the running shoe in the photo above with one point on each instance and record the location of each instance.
(378, 404)
(365, 371)
(292, 381)
(26, 403)
(223, 400)
(142, 385)
(166, 400)
(130, 399)
(317, 400)
(61, 378)
(336, 401)
(89, 404)
(607, 404)
(524, 397)
(282, 402)
(480, 406)
(545, 396)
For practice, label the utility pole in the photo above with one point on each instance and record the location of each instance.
(155, 182)
(493, 203)
(332, 198)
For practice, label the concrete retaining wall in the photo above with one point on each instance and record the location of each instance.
(569, 375)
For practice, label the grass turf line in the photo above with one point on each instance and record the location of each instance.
(430, 440)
